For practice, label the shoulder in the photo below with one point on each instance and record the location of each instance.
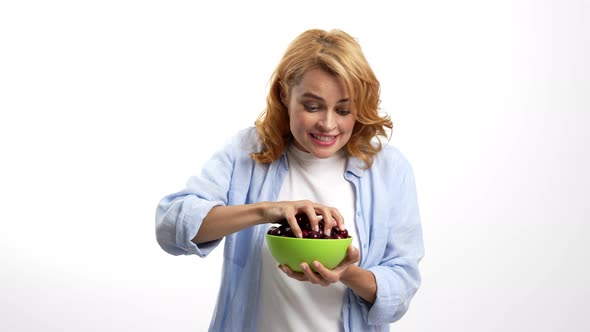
(245, 135)
(391, 159)
(244, 141)
(392, 173)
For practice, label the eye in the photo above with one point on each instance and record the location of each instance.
(343, 112)
(310, 107)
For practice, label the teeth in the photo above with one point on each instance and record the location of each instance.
(323, 138)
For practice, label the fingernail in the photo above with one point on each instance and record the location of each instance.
(316, 264)
(303, 266)
(299, 234)
(316, 228)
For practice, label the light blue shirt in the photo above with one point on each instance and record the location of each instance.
(388, 226)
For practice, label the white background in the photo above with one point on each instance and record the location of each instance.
(107, 106)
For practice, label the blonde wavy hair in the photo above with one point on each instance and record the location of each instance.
(339, 54)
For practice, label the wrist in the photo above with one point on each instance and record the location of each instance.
(262, 211)
(348, 275)
(269, 212)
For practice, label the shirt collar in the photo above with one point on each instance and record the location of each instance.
(355, 166)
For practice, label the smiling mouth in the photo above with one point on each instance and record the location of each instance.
(323, 138)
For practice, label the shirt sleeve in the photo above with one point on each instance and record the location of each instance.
(180, 215)
(398, 276)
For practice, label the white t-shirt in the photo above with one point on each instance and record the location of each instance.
(287, 304)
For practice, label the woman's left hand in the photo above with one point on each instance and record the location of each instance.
(324, 276)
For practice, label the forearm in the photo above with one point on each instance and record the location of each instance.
(361, 281)
(225, 220)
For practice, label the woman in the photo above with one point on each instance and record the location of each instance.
(316, 149)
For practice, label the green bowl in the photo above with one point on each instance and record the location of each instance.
(293, 251)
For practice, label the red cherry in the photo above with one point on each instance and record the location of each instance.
(284, 229)
(315, 235)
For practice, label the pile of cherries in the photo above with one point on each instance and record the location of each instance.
(307, 233)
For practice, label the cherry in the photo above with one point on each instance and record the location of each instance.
(314, 235)
(344, 233)
(303, 221)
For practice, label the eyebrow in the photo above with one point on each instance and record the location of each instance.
(311, 95)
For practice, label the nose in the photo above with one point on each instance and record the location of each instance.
(327, 121)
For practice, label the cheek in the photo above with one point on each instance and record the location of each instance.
(347, 125)
(295, 126)
(298, 122)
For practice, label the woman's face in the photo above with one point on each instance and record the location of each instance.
(319, 113)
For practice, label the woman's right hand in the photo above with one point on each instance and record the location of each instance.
(224, 220)
(277, 211)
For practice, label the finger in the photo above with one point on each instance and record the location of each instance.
(327, 274)
(310, 211)
(313, 277)
(328, 221)
(294, 225)
(326, 217)
(295, 275)
(339, 219)
(352, 257)
(353, 253)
